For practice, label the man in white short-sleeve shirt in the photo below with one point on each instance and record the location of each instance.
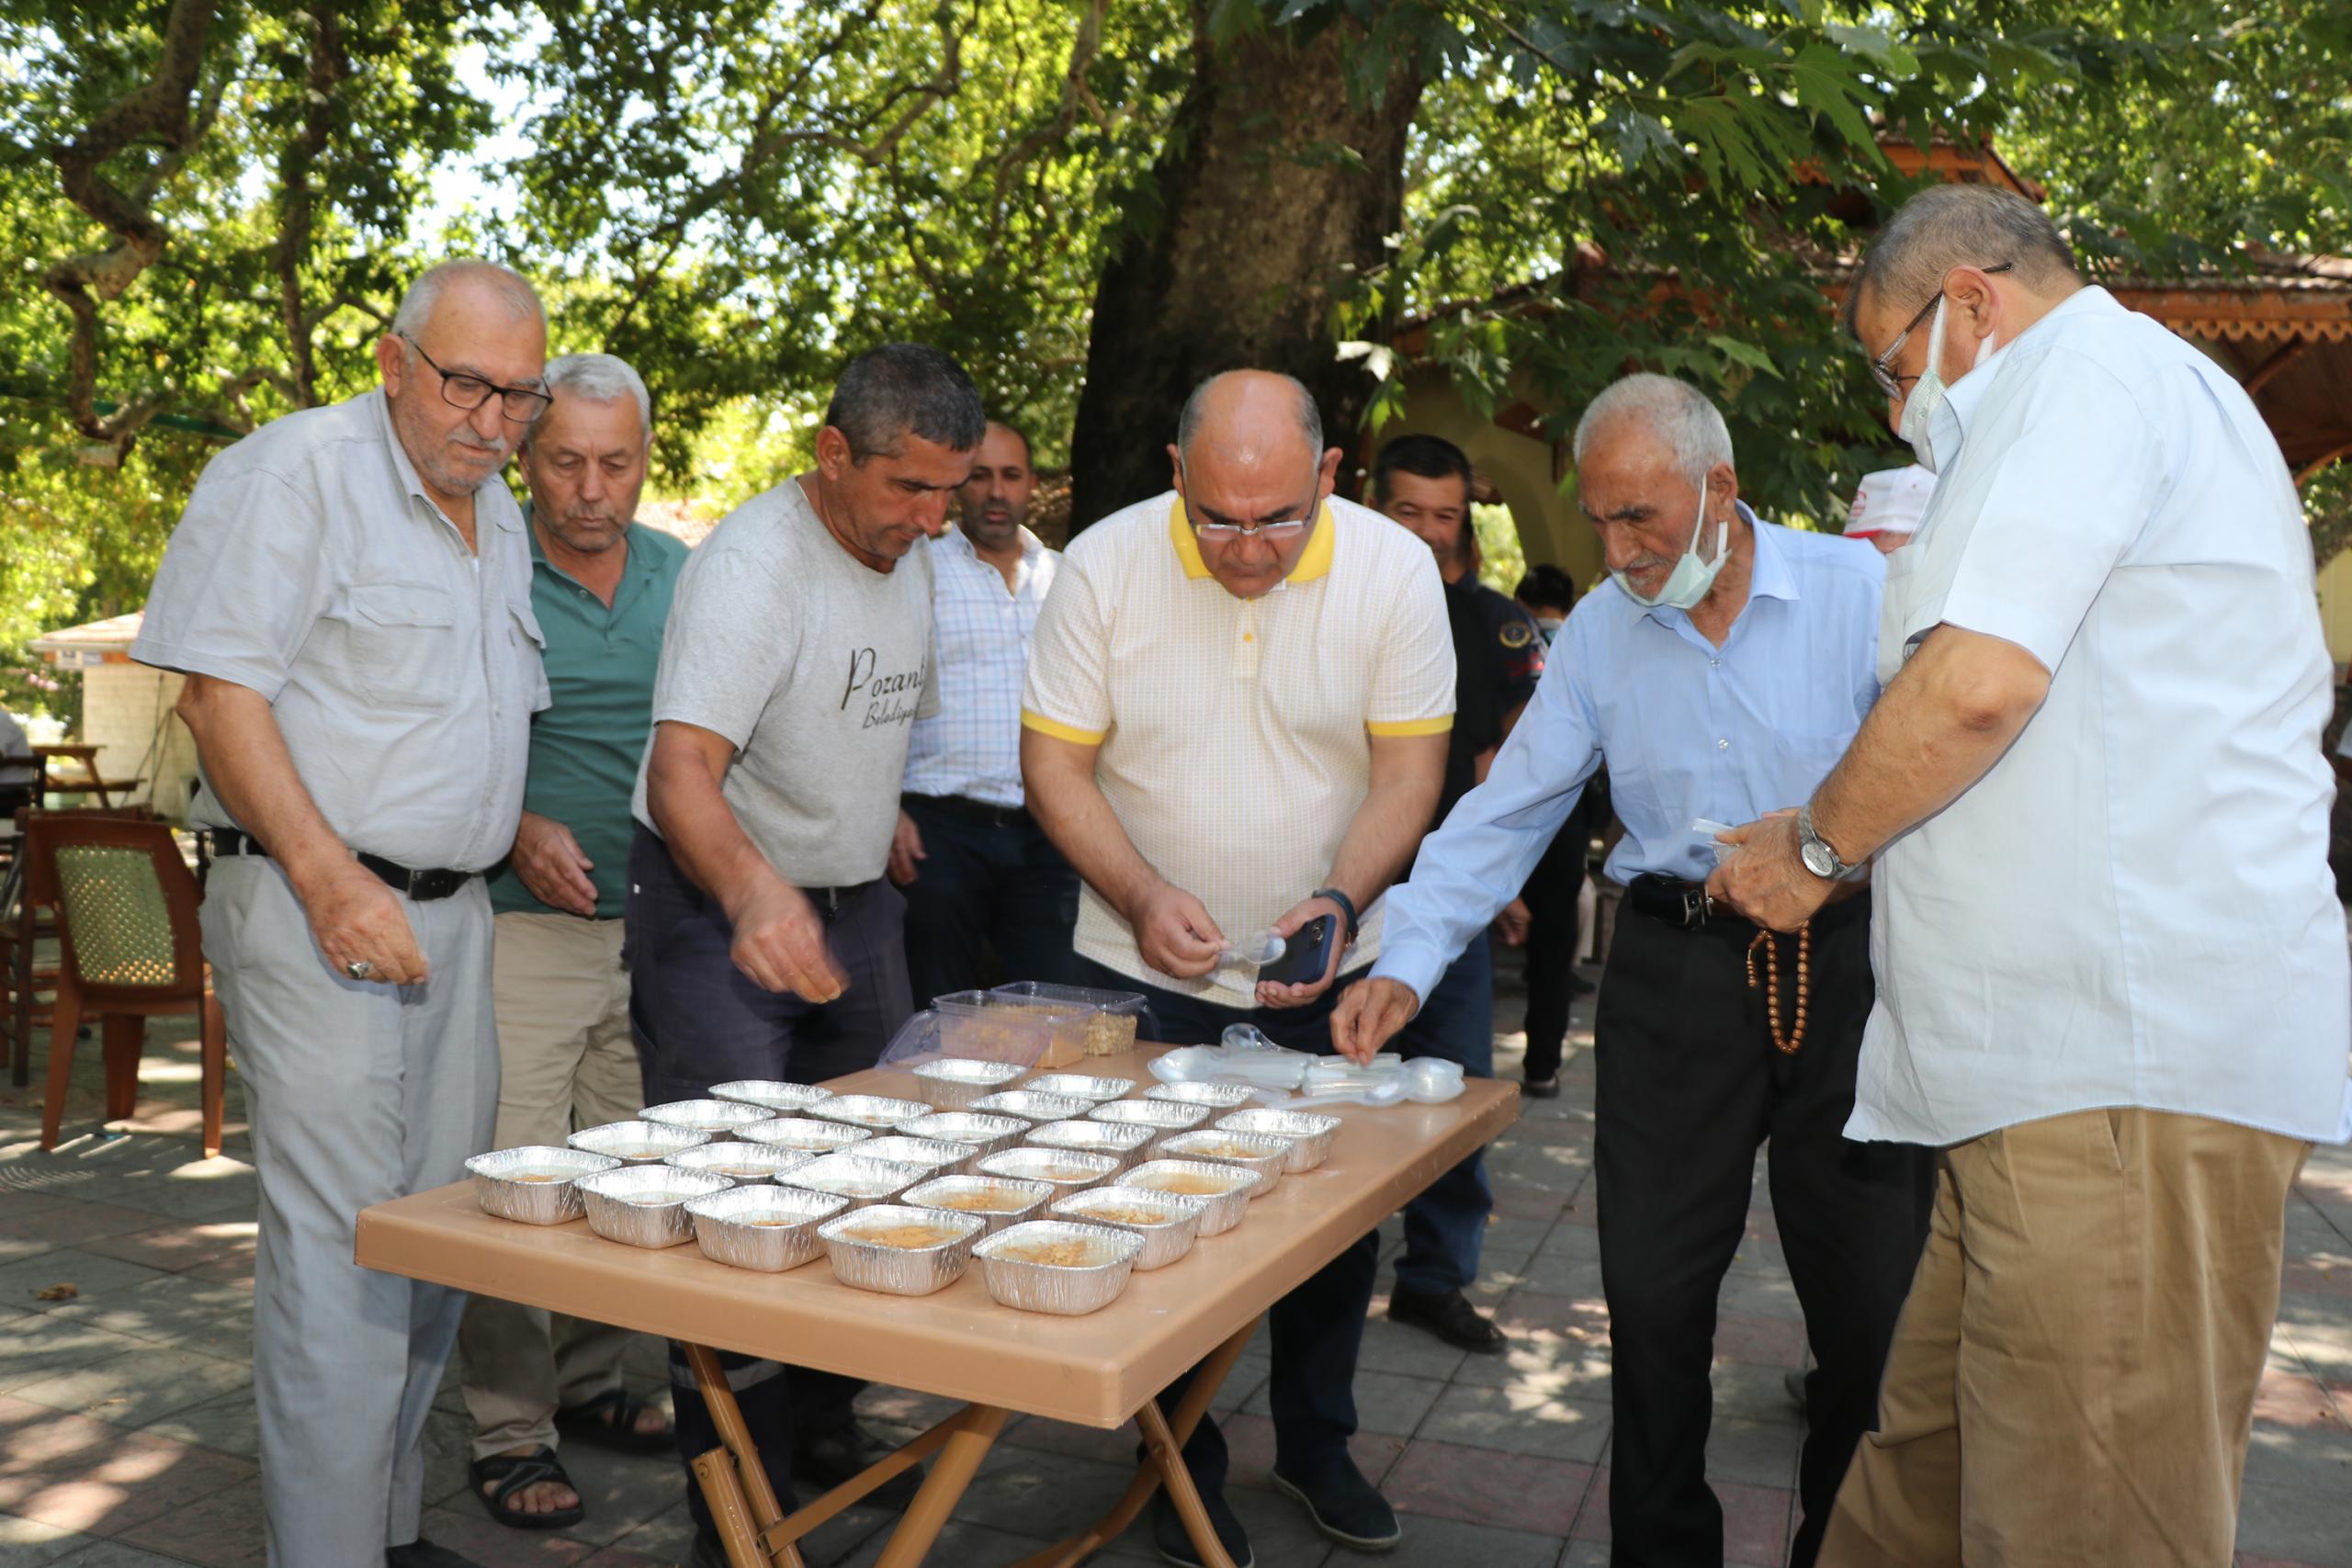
(2112, 971)
(1236, 718)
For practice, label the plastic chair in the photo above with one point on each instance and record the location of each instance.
(132, 949)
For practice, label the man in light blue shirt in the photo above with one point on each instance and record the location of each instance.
(1710, 1039)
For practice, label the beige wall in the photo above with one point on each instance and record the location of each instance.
(123, 707)
(2336, 607)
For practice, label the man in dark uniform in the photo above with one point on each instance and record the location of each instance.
(1423, 482)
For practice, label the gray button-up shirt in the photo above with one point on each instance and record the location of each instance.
(311, 566)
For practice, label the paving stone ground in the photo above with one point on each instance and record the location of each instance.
(127, 1429)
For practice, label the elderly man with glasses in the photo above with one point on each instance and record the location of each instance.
(1236, 718)
(349, 595)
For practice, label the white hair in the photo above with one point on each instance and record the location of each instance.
(601, 378)
(512, 288)
(1676, 412)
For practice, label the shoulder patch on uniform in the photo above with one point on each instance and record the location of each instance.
(1516, 634)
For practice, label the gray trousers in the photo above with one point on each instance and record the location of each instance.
(357, 1093)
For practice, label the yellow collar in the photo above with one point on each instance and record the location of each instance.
(1313, 562)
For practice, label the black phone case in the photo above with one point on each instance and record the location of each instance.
(1303, 961)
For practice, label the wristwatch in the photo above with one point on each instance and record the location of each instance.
(1346, 908)
(1819, 858)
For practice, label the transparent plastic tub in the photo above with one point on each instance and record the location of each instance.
(989, 1026)
(1112, 1017)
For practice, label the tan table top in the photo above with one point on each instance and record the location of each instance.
(1096, 1370)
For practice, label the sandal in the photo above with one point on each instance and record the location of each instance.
(609, 1421)
(506, 1474)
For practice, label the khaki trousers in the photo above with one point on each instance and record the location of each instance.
(566, 1061)
(2073, 1379)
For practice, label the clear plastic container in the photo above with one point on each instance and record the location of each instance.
(1111, 1016)
(989, 1026)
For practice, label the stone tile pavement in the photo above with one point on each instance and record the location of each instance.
(127, 1430)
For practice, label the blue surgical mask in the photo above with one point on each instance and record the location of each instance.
(1689, 581)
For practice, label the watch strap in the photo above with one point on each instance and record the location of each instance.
(1346, 908)
(1807, 834)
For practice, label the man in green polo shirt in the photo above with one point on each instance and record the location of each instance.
(600, 585)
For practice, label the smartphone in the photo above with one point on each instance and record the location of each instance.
(1308, 954)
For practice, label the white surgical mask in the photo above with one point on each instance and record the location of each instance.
(1689, 581)
(1550, 626)
(1927, 398)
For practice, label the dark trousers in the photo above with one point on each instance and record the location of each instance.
(1446, 1224)
(1318, 1328)
(985, 883)
(700, 1021)
(1551, 898)
(1689, 1086)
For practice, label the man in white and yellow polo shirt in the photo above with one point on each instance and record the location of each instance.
(1236, 717)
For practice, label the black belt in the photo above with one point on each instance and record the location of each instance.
(834, 902)
(1685, 905)
(972, 810)
(423, 887)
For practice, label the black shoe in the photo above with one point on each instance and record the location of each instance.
(423, 1553)
(826, 1460)
(1343, 1504)
(1580, 986)
(1449, 1317)
(1541, 1088)
(1174, 1546)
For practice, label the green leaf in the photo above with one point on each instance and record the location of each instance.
(1741, 352)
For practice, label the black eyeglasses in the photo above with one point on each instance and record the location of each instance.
(521, 405)
(1883, 368)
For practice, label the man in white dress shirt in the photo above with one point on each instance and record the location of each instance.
(2111, 966)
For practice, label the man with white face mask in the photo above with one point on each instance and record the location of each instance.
(1718, 673)
(2111, 962)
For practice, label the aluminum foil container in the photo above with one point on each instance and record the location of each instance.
(645, 1205)
(1310, 1134)
(1067, 1170)
(804, 1135)
(717, 1117)
(936, 1155)
(1223, 1190)
(740, 1162)
(1057, 1267)
(1009, 1202)
(1167, 1223)
(852, 1177)
(776, 1098)
(1258, 1153)
(1165, 1118)
(767, 1228)
(875, 1112)
(1124, 1144)
(870, 1263)
(1215, 1096)
(985, 1132)
(533, 1184)
(1031, 1106)
(955, 1083)
(1079, 1086)
(637, 1143)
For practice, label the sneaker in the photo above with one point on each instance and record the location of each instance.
(1541, 1088)
(1450, 1318)
(1168, 1535)
(823, 1460)
(1343, 1504)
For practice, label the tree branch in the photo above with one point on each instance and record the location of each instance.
(329, 68)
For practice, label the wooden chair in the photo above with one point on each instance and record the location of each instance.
(132, 949)
(26, 980)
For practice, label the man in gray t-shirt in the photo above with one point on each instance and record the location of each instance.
(761, 939)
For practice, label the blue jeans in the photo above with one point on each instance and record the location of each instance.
(1003, 884)
(1447, 1224)
(1318, 1328)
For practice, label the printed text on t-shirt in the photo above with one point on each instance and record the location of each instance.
(891, 699)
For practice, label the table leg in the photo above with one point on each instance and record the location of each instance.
(959, 1459)
(1164, 1439)
(742, 1502)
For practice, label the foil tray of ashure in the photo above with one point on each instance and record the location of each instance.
(1067, 1169)
(1168, 1224)
(1054, 1265)
(645, 1205)
(953, 1084)
(1259, 1153)
(719, 1118)
(1031, 1106)
(1215, 1096)
(767, 1228)
(532, 1184)
(741, 1161)
(875, 1112)
(1081, 1086)
(1224, 1191)
(856, 1178)
(935, 1155)
(996, 1201)
(804, 1135)
(1310, 1134)
(771, 1095)
(1165, 1118)
(985, 1132)
(900, 1250)
(1124, 1144)
(637, 1143)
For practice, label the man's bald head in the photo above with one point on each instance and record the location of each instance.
(1251, 417)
